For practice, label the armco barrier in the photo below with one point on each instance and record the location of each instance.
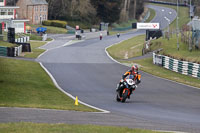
(183, 67)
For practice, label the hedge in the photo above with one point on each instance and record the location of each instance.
(55, 23)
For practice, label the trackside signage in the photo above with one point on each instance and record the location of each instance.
(145, 26)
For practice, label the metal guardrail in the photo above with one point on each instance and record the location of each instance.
(183, 67)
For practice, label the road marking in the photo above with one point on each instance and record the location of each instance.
(46, 44)
(169, 131)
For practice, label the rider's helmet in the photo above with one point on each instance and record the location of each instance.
(134, 69)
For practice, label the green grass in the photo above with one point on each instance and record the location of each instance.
(35, 37)
(152, 15)
(148, 66)
(170, 48)
(127, 49)
(51, 29)
(35, 51)
(7, 44)
(183, 14)
(26, 84)
(65, 128)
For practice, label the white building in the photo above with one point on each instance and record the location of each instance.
(8, 18)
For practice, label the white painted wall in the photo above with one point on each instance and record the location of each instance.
(19, 27)
(2, 3)
(6, 16)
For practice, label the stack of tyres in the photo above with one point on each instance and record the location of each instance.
(10, 51)
(11, 35)
(1, 36)
(26, 47)
(3, 51)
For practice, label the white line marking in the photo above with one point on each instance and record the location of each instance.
(169, 131)
(46, 44)
(56, 84)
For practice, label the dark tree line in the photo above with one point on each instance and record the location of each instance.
(93, 11)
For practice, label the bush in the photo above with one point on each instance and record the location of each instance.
(46, 23)
(55, 23)
(82, 25)
(58, 23)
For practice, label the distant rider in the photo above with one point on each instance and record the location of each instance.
(118, 34)
(101, 36)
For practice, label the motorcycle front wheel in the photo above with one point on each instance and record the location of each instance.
(124, 96)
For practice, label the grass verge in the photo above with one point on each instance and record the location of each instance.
(7, 44)
(26, 84)
(67, 128)
(118, 52)
(51, 29)
(152, 15)
(127, 49)
(170, 49)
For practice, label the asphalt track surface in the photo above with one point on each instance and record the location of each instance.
(83, 69)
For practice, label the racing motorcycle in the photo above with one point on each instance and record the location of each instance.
(126, 87)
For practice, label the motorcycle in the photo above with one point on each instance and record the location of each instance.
(126, 87)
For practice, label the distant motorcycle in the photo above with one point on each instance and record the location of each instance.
(126, 87)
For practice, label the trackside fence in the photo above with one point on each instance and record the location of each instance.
(183, 67)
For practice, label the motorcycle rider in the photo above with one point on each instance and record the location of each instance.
(132, 72)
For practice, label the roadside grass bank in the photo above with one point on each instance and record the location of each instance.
(170, 49)
(119, 51)
(6, 44)
(26, 84)
(128, 48)
(50, 29)
(152, 15)
(23, 127)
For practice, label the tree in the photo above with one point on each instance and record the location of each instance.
(107, 10)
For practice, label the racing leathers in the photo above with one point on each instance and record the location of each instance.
(128, 73)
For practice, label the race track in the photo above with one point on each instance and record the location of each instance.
(83, 69)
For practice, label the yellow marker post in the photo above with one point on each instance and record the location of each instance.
(76, 101)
